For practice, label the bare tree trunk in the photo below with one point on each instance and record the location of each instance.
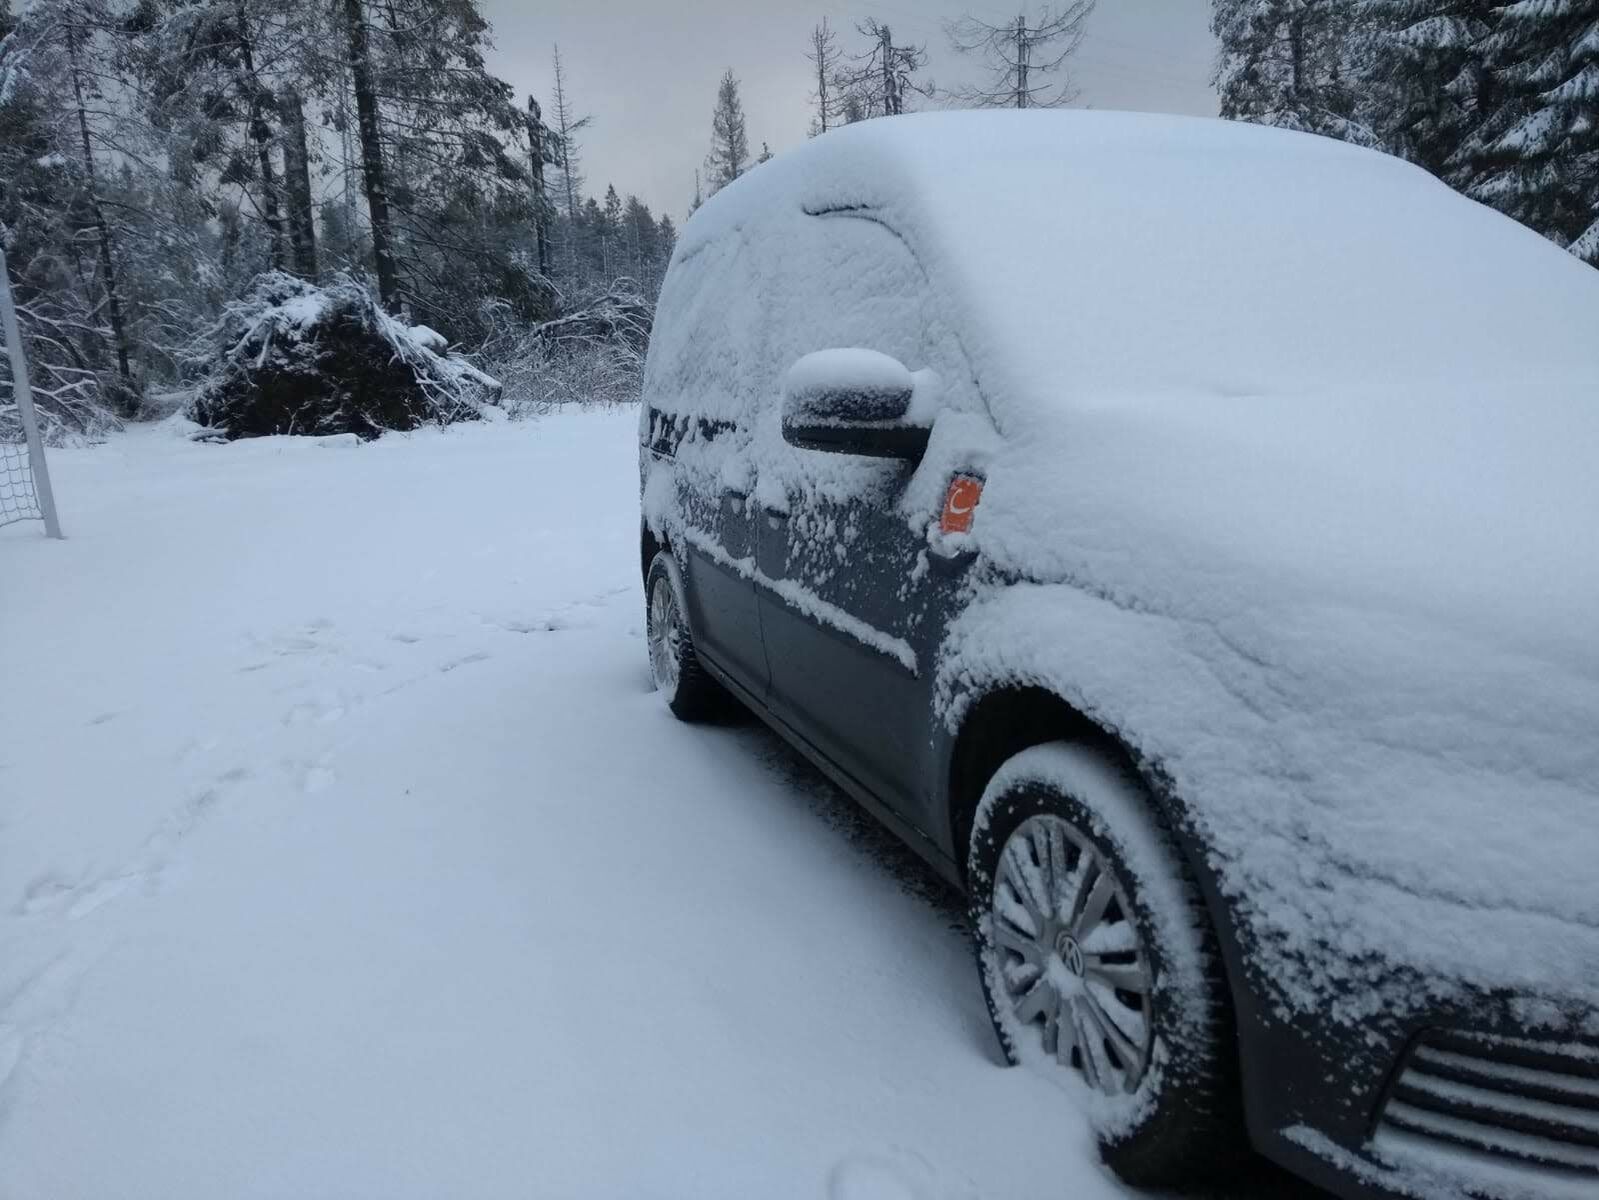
(1021, 62)
(821, 86)
(890, 96)
(119, 332)
(261, 135)
(377, 193)
(537, 140)
(825, 57)
(563, 117)
(297, 182)
(1296, 45)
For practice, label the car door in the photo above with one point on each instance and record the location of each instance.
(852, 616)
(719, 548)
(853, 600)
(699, 411)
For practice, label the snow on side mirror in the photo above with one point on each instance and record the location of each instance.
(857, 402)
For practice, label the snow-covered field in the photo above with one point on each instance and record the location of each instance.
(344, 851)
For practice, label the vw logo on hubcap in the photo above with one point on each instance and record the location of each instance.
(1070, 952)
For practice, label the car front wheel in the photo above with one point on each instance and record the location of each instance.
(1099, 965)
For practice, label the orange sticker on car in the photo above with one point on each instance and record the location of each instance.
(960, 503)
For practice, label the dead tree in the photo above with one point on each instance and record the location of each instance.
(825, 57)
(538, 146)
(883, 76)
(1021, 58)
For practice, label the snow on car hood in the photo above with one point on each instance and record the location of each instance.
(1379, 702)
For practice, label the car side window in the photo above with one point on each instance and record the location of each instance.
(851, 281)
(696, 385)
(844, 280)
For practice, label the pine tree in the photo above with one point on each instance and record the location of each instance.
(730, 145)
(59, 307)
(374, 170)
(1431, 82)
(456, 182)
(666, 240)
(1287, 63)
(642, 237)
(300, 208)
(610, 232)
(1539, 147)
(82, 25)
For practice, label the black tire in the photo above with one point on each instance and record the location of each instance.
(1181, 1123)
(679, 676)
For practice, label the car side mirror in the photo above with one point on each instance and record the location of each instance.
(857, 402)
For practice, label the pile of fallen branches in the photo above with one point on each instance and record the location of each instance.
(296, 358)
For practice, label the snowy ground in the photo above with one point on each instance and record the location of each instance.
(344, 851)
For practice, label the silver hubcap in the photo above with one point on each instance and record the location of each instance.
(665, 635)
(1071, 965)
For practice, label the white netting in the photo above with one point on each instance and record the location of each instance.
(24, 480)
(18, 499)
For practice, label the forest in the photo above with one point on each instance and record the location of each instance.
(189, 187)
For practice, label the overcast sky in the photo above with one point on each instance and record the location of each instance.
(646, 70)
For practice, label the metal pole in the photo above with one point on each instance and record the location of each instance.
(24, 397)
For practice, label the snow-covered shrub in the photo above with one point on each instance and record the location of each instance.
(293, 357)
(591, 357)
(72, 396)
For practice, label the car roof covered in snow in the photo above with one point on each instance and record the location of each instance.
(1091, 255)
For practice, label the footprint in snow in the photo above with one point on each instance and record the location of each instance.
(77, 900)
(551, 624)
(101, 894)
(314, 714)
(43, 893)
(601, 599)
(891, 1175)
(559, 618)
(52, 893)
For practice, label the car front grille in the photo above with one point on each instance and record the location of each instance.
(1522, 1102)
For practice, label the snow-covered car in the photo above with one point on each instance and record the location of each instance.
(1186, 536)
